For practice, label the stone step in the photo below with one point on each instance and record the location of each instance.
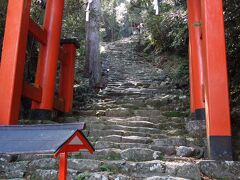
(46, 168)
(154, 120)
(173, 141)
(131, 154)
(121, 139)
(159, 168)
(132, 106)
(29, 157)
(105, 175)
(139, 170)
(160, 140)
(131, 120)
(121, 94)
(140, 152)
(127, 139)
(87, 112)
(171, 126)
(110, 176)
(165, 178)
(133, 123)
(106, 144)
(169, 146)
(50, 174)
(134, 129)
(80, 118)
(119, 112)
(166, 150)
(162, 126)
(103, 106)
(103, 133)
(147, 113)
(174, 132)
(137, 102)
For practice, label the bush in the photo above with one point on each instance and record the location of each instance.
(168, 31)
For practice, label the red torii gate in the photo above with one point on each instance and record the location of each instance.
(209, 79)
(208, 70)
(18, 25)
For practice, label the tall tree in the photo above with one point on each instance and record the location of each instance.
(3, 9)
(93, 67)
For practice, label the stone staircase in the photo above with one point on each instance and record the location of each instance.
(140, 127)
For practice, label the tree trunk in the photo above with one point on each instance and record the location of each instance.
(3, 11)
(93, 67)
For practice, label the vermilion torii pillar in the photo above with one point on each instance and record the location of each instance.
(66, 81)
(192, 106)
(13, 60)
(48, 58)
(196, 59)
(216, 80)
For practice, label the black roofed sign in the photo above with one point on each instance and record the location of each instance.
(57, 139)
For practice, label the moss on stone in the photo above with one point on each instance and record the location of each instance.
(83, 176)
(108, 168)
(175, 114)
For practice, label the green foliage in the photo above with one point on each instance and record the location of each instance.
(83, 176)
(109, 25)
(76, 155)
(232, 25)
(182, 71)
(3, 9)
(108, 168)
(74, 19)
(74, 26)
(167, 31)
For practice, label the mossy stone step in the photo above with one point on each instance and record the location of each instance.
(127, 139)
(135, 129)
(133, 123)
(103, 133)
(131, 154)
(106, 144)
